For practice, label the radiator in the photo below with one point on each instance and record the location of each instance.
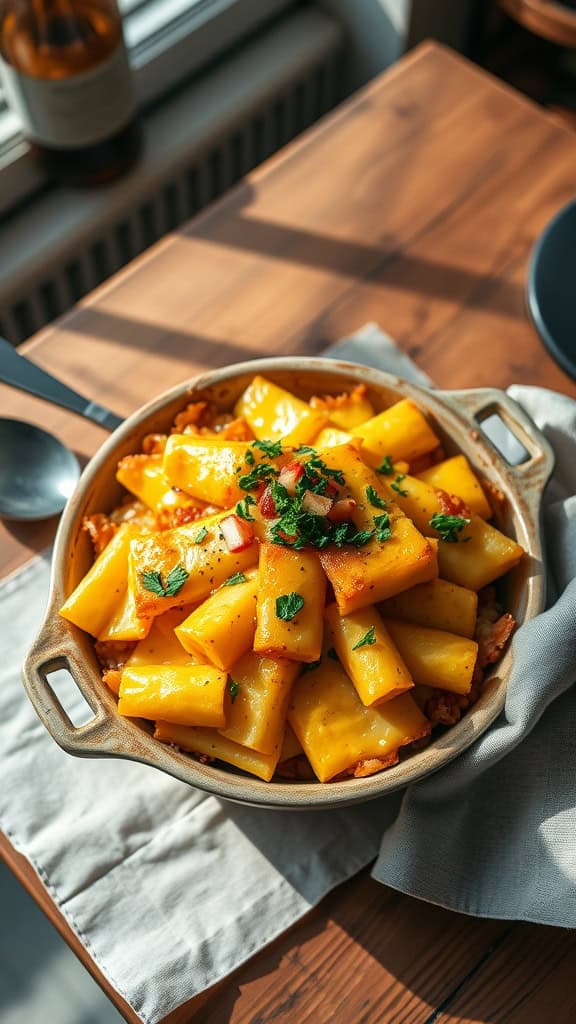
(198, 143)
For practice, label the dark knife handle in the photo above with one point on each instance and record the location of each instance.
(25, 375)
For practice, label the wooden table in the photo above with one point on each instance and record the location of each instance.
(416, 204)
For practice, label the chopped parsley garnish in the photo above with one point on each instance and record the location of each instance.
(295, 527)
(261, 473)
(288, 605)
(201, 535)
(331, 652)
(233, 689)
(270, 448)
(360, 538)
(317, 477)
(300, 530)
(448, 526)
(249, 457)
(396, 485)
(367, 640)
(346, 533)
(242, 508)
(237, 577)
(282, 500)
(386, 466)
(383, 528)
(305, 449)
(317, 463)
(175, 580)
(374, 498)
(340, 535)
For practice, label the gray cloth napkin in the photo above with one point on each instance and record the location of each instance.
(494, 833)
(170, 889)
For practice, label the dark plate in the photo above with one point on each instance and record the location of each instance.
(552, 287)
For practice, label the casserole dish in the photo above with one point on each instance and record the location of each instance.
(456, 416)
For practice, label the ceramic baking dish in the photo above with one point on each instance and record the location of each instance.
(457, 418)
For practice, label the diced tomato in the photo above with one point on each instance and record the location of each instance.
(260, 490)
(266, 504)
(342, 510)
(290, 474)
(317, 504)
(451, 505)
(237, 533)
(289, 538)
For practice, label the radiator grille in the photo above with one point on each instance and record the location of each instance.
(34, 298)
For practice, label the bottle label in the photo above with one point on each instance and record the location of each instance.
(70, 112)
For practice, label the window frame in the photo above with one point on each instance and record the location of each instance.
(168, 42)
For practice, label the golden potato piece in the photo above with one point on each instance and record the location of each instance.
(338, 732)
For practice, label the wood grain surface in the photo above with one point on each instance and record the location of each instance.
(416, 204)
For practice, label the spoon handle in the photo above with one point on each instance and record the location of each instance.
(25, 375)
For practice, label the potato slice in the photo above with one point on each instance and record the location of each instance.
(480, 556)
(210, 743)
(207, 561)
(338, 732)
(222, 628)
(184, 694)
(401, 431)
(368, 654)
(277, 415)
(284, 573)
(435, 658)
(256, 714)
(437, 604)
(456, 476)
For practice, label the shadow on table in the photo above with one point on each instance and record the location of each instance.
(152, 337)
(411, 956)
(388, 263)
(410, 960)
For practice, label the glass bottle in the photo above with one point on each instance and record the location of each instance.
(65, 72)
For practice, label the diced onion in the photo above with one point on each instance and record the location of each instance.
(237, 533)
(317, 504)
(290, 475)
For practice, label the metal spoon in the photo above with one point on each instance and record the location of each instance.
(37, 472)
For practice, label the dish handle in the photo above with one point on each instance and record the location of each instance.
(52, 650)
(533, 471)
